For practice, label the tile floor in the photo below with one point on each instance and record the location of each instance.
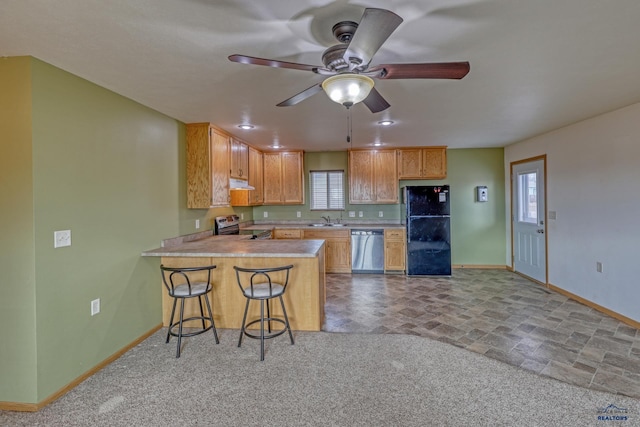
(496, 313)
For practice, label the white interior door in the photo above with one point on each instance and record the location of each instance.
(528, 219)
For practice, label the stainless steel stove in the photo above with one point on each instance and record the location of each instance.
(230, 225)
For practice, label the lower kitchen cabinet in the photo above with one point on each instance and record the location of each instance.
(337, 250)
(287, 233)
(394, 249)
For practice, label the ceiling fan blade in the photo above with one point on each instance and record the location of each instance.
(301, 96)
(243, 59)
(375, 102)
(374, 29)
(433, 70)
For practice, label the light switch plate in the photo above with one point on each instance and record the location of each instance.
(61, 238)
(352, 214)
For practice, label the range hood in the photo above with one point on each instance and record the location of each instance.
(240, 184)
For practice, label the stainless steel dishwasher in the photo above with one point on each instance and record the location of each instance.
(367, 251)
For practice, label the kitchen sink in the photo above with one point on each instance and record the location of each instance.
(326, 225)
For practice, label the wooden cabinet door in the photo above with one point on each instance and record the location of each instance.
(338, 256)
(337, 248)
(272, 178)
(361, 181)
(239, 159)
(255, 176)
(198, 166)
(434, 163)
(394, 249)
(292, 170)
(422, 163)
(207, 167)
(219, 169)
(373, 176)
(410, 163)
(283, 178)
(386, 176)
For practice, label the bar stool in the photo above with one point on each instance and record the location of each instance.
(256, 284)
(182, 284)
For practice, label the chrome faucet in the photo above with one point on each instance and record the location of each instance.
(327, 219)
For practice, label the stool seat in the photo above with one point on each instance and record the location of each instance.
(196, 290)
(256, 284)
(182, 284)
(264, 290)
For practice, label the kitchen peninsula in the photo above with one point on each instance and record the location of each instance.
(305, 295)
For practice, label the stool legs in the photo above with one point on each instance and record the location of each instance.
(262, 320)
(180, 327)
(213, 325)
(286, 319)
(173, 312)
(181, 320)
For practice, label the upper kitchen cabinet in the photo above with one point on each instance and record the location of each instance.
(373, 177)
(251, 197)
(239, 159)
(207, 167)
(283, 178)
(422, 163)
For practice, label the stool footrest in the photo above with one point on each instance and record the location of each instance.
(190, 334)
(266, 336)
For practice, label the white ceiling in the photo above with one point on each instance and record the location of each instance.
(536, 65)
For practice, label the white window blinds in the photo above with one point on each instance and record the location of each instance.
(327, 190)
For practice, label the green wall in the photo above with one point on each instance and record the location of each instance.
(107, 168)
(18, 380)
(477, 229)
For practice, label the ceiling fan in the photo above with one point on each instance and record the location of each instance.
(347, 64)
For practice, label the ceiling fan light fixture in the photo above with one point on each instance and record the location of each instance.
(347, 89)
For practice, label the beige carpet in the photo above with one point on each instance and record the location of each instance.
(325, 379)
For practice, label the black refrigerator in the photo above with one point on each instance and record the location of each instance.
(428, 225)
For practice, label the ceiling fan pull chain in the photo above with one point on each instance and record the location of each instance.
(349, 126)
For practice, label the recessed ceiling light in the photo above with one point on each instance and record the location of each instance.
(245, 127)
(385, 122)
(377, 144)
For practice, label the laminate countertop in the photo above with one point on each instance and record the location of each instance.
(240, 246)
(311, 226)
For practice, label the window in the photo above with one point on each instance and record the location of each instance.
(528, 203)
(327, 190)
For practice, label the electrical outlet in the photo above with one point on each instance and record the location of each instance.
(241, 216)
(380, 214)
(298, 214)
(61, 238)
(599, 267)
(265, 214)
(197, 224)
(95, 307)
(352, 214)
(359, 214)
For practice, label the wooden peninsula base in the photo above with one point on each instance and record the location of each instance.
(305, 295)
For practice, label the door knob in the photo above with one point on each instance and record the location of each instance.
(540, 231)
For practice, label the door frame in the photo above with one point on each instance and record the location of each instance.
(542, 157)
